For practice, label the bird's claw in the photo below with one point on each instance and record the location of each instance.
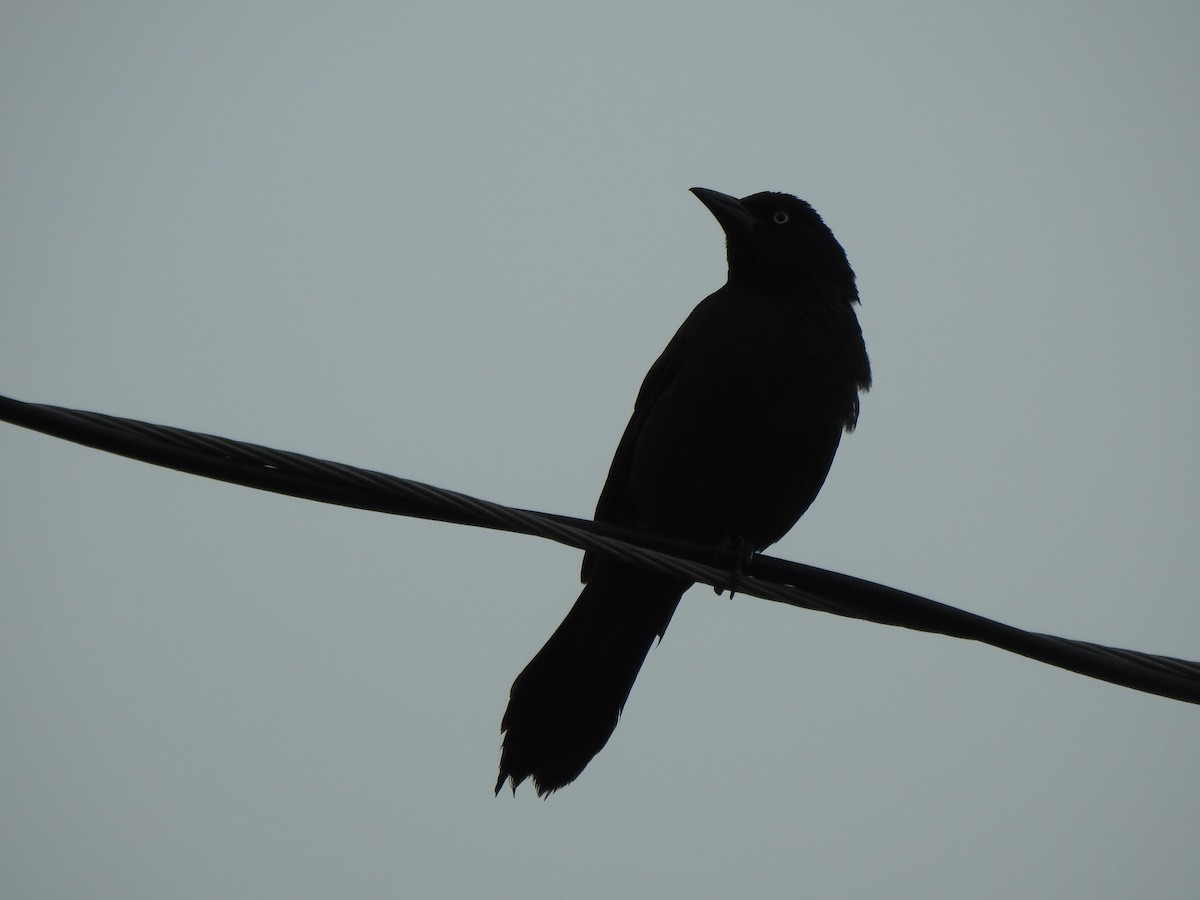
(733, 552)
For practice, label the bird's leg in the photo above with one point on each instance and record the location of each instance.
(734, 552)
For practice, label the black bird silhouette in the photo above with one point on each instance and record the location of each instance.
(733, 432)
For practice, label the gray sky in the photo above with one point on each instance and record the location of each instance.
(446, 241)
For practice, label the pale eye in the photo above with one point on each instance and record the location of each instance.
(780, 218)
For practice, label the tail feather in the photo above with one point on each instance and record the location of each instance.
(564, 705)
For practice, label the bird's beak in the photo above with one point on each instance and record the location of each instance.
(728, 211)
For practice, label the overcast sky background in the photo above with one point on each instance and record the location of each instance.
(446, 241)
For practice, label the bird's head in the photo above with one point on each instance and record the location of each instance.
(776, 242)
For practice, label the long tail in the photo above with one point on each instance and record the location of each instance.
(565, 704)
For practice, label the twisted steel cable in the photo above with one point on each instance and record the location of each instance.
(796, 584)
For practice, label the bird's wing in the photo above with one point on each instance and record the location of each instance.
(616, 500)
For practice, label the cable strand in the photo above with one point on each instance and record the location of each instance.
(796, 584)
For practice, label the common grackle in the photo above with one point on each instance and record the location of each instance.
(733, 432)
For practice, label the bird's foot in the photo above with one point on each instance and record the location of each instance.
(733, 552)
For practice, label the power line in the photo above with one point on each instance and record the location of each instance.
(767, 577)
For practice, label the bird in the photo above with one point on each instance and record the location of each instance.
(732, 435)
